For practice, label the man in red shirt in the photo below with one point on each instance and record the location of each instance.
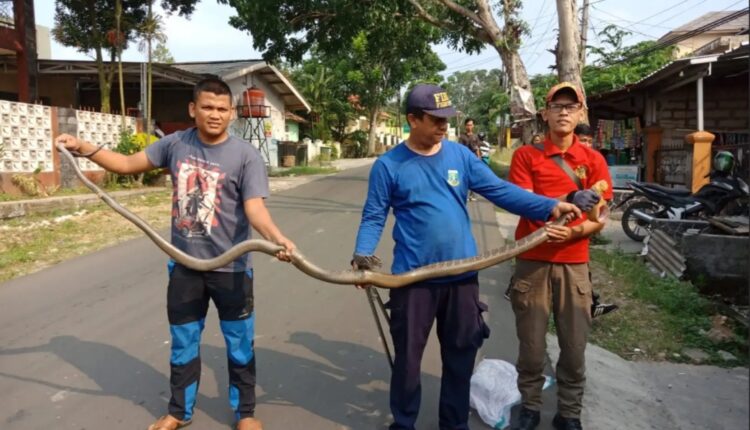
(554, 277)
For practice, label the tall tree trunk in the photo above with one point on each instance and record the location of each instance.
(568, 58)
(372, 142)
(105, 85)
(506, 42)
(105, 76)
(522, 105)
(584, 34)
(120, 42)
(148, 76)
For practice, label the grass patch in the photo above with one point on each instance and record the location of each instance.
(658, 317)
(500, 162)
(62, 192)
(303, 170)
(599, 239)
(34, 242)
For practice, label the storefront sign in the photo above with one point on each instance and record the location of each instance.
(621, 175)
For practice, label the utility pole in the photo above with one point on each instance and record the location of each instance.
(584, 33)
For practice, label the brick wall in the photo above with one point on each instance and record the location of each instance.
(725, 109)
(725, 106)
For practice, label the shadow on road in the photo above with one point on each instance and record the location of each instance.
(347, 385)
(117, 374)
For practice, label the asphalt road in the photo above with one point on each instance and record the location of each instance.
(85, 344)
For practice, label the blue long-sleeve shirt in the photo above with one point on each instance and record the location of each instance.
(428, 196)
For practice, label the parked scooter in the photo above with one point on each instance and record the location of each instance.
(725, 194)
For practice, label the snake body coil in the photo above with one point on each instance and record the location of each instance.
(356, 277)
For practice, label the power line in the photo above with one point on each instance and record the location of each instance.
(680, 13)
(687, 35)
(641, 22)
(463, 61)
(538, 15)
(476, 63)
(536, 46)
(628, 29)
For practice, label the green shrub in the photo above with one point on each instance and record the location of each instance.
(130, 144)
(355, 145)
(334, 152)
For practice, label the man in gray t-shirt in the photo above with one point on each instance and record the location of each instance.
(219, 187)
(211, 183)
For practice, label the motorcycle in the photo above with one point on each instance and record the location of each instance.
(725, 194)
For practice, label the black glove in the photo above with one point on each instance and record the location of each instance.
(584, 199)
(366, 262)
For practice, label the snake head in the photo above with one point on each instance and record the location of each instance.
(600, 211)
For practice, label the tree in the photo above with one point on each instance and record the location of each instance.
(290, 27)
(384, 49)
(479, 95)
(568, 58)
(470, 25)
(150, 30)
(380, 63)
(118, 49)
(609, 72)
(322, 82)
(90, 26)
(162, 54)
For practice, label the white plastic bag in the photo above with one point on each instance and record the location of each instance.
(494, 391)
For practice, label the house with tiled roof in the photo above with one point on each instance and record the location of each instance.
(725, 37)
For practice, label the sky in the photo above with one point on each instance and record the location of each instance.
(189, 39)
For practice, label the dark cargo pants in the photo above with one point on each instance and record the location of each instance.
(564, 289)
(188, 296)
(461, 331)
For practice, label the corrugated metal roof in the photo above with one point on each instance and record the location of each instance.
(674, 67)
(218, 68)
(661, 251)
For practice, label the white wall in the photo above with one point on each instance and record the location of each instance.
(276, 103)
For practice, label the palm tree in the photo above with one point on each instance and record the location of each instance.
(151, 30)
(315, 87)
(120, 42)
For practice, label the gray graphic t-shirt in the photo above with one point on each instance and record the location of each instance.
(210, 185)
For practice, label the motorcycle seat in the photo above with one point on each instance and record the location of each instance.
(667, 190)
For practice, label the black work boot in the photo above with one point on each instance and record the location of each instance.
(562, 423)
(527, 420)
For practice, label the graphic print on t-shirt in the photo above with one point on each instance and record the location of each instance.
(198, 189)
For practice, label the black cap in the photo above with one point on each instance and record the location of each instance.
(430, 99)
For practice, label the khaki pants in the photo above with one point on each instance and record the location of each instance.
(565, 289)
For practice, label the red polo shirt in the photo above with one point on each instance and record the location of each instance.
(535, 170)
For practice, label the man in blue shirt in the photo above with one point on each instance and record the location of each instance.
(425, 180)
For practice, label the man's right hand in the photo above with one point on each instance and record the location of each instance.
(365, 262)
(71, 143)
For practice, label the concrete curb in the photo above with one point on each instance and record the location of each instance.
(20, 208)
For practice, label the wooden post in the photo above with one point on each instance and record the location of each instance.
(701, 166)
(653, 143)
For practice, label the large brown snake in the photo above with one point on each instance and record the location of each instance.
(357, 277)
